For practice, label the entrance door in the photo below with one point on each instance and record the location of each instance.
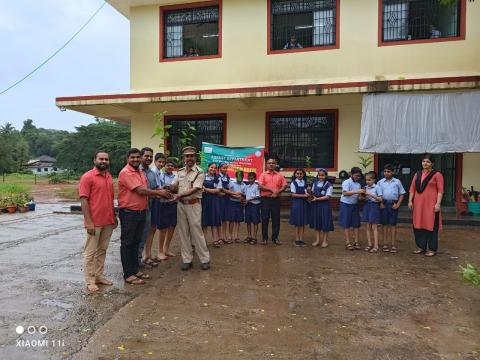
(406, 165)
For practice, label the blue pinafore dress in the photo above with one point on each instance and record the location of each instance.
(299, 209)
(320, 211)
(210, 205)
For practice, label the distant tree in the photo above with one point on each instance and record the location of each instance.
(76, 151)
(14, 152)
(41, 141)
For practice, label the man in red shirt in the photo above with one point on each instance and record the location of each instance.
(133, 194)
(271, 184)
(96, 198)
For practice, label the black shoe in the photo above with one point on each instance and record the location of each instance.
(276, 242)
(205, 266)
(302, 243)
(298, 243)
(186, 266)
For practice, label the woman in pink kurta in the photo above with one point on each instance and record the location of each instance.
(426, 192)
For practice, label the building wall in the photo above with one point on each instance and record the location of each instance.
(245, 61)
(246, 127)
(471, 171)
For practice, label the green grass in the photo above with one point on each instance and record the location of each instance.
(26, 179)
(13, 188)
(67, 193)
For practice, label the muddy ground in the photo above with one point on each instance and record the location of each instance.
(256, 302)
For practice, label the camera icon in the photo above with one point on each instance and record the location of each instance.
(31, 329)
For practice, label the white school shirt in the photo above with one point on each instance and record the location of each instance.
(373, 190)
(347, 186)
(299, 183)
(166, 180)
(252, 191)
(236, 187)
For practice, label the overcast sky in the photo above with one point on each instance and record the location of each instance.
(96, 61)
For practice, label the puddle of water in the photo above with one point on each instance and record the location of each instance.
(58, 303)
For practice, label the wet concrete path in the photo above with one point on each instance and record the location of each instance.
(255, 303)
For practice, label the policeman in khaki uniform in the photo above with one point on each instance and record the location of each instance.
(189, 210)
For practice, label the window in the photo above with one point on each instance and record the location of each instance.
(293, 137)
(190, 32)
(303, 24)
(45, 169)
(39, 170)
(201, 128)
(420, 20)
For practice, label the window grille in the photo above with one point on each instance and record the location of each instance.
(191, 32)
(420, 19)
(294, 137)
(311, 22)
(206, 130)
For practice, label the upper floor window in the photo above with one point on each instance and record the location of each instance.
(191, 32)
(303, 24)
(193, 130)
(420, 20)
(294, 136)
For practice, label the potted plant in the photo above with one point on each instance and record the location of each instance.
(11, 205)
(21, 201)
(3, 203)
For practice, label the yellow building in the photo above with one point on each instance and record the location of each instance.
(291, 75)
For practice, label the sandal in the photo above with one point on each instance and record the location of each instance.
(237, 241)
(357, 246)
(169, 254)
(368, 248)
(253, 241)
(228, 241)
(324, 245)
(418, 251)
(159, 259)
(218, 243)
(144, 276)
(264, 242)
(373, 250)
(385, 248)
(134, 281)
(430, 253)
(151, 262)
(247, 240)
(316, 243)
(393, 249)
(349, 246)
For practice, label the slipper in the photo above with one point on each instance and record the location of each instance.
(385, 248)
(237, 241)
(316, 243)
(141, 275)
(135, 281)
(264, 242)
(324, 245)
(218, 243)
(373, 250)
(169, 254)
(393, 249)
(151, 262)
(103, 281)
(357, 246)
(418, 251)
(247, 239)
(159, 259)
(253, 241)
(349, 246)
(430, 253)
(228, 241)
(368, 248)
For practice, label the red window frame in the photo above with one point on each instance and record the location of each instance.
(268, 116)
(199, 117)
(314, 48)
(463, 18)
(164, 9)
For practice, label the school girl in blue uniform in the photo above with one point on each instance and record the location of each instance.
(224, 199)
(371, 211)
(211, 218)
(165, 212)
(321, 218)
(349, 216)
(236, 191)
(299, 209)
(252, 208)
